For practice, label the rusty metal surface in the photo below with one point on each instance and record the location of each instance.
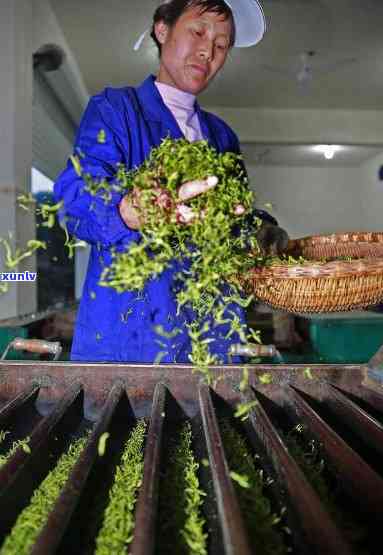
(357, 419)
(38, 437)
(146, 512)
(233, 528)
(317, 526)
(52, 533)
(140, 379)
(24, 471)
(372, 397)
(27, 395)
(358, 478)
(71, 396)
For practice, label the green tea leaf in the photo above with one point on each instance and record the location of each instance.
(102, 443)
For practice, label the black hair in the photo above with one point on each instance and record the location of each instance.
(171, 11)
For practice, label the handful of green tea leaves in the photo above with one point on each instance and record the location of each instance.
(207, 242)
(208, 248)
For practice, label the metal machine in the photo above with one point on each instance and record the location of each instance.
(340, 405)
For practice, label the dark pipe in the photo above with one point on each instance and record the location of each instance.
(49, 57)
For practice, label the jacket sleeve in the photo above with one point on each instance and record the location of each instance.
(88, 216)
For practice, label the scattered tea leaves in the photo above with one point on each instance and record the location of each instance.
(102, 443)
(308, 374)
(266, 378)
(250, 482)
(23, 443)
(241, 480)
(3, 435)
(308, 455)
(101, 137)
(26, 202)
(14, 257)
(25, 447)
(118, 524)
(160, 330)
(244, 380)
(159, 356)
(4, 287)
(48, 213)
(76, 164)
(242, 410)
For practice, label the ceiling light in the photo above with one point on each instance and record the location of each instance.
(328, 151)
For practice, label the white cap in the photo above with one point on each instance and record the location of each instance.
(249, 21)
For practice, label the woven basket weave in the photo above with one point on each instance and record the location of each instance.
(356, 244)
(323, 286)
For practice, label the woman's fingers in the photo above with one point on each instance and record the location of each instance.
(131, 206)
(185, 214)
(239, 210)
(163, 199)
(191, 189)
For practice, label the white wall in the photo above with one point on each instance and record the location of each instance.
(309, 200)
(372, 193)
(302, 126)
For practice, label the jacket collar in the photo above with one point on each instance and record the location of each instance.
(152, 105)
(155, 109)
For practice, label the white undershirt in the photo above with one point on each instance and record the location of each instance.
(182, 106)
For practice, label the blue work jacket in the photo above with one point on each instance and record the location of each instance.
(114, 326)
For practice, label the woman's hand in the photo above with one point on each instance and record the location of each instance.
(133, 214)
(189, 190)
(129, 210)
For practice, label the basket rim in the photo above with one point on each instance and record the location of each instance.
(336, 238)
(333, 269)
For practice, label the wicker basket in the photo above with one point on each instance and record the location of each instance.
(324, 286)
(360, 244)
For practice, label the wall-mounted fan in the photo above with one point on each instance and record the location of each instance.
(305, 71)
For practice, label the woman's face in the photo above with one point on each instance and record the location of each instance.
(193, 50)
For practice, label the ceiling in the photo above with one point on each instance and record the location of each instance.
(102, 34)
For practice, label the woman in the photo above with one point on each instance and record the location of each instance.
(194, 38)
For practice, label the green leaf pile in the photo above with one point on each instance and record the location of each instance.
(23, 443)
(118, 524)
(31, 520)
(182, 526)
